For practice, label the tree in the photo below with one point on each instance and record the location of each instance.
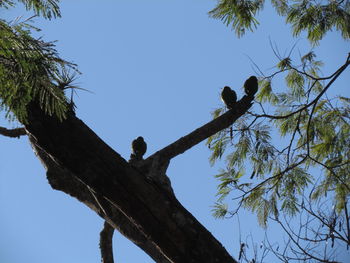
(130, 197)
(58, 140)
(278, 182)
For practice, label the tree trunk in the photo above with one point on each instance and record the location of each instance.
(79, 163)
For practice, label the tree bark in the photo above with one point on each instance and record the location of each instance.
(79, 163)
(106, 241)
(12, 133)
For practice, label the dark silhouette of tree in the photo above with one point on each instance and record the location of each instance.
(136, 198)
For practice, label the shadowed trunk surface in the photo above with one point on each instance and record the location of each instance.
(82, 165)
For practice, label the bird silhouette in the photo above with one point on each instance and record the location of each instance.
(229, 97)
(251, 86)
(139, 148)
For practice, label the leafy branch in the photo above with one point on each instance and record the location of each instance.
(31, 70)
(277, 175)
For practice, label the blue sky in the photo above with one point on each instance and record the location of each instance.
(155, 69)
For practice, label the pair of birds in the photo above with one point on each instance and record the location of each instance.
(229, 96)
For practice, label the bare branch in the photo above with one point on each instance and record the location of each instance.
(304, 250)
(204, 132)
(13, 133)
(106, 247)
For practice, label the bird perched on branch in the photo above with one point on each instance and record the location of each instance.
(251, 86)
(139, 148)
(229, 97)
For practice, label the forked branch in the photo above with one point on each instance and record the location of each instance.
(204, 132)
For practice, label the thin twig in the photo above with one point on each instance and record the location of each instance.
(335, 76)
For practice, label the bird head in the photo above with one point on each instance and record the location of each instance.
(253, 78)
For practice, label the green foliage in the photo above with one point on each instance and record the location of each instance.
(238, 13)
(217, 144)
(30, 69)
(331, 147)
(317, 19)
(46, 8)
(266, 94)
(281, 6)
(314, 17)
(6, 4)
(219, 210)
(314, 132)
(284, 64)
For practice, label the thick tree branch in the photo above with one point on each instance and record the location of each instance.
(106, 247)
(118, 186)
(204, 132)
(63, 180)
(13, 133)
